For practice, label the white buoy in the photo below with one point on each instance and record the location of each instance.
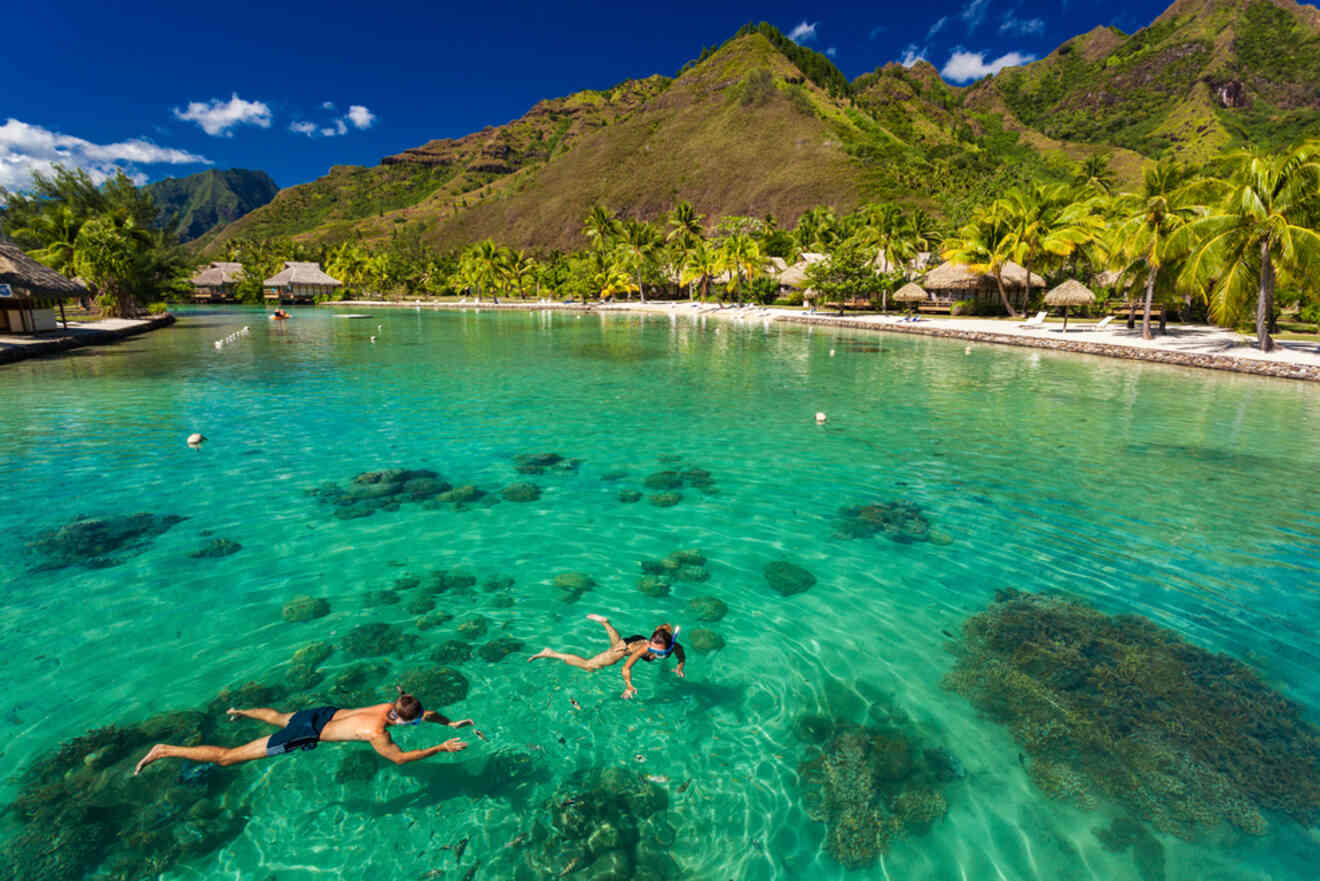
(821, 418)
(378, 327)
(196, 439)
(967, 351)
(217, 345)
(373, 339)
(831, 353)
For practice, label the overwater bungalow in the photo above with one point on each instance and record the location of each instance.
(217, 283)
(299, 283)
(31, 292)
(950, 282)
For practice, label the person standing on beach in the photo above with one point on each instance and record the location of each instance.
(306, 728)
(662, 643)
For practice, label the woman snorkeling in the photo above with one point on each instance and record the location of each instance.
(662, 643)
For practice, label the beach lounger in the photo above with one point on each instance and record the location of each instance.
(1099, 325)
(1037, 320)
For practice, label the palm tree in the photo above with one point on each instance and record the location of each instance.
(600, 227)
(1150, 218)
(1265, 225)
(57, 231)
(685, 230)
(1047, 223)
(887, 231)
(984, 245)
(479, 267)
(740, 254)
(638, 242)
(817, 230)
(702, 263)
(522, 271)
(1094, 174)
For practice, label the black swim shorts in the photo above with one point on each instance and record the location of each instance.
(302, 732)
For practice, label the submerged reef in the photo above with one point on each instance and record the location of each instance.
(98, 542)
(80, 811)
(870, 786)
(605, 825)
(216, 547)
(707, 608)
(788, 578)
(521, 492)
(570, 586)
(900, 521)
(305, 608)
(540, 463)
(386, 490)
(1116, 707)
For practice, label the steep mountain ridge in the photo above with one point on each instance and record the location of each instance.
(211, 198)
(744, 130)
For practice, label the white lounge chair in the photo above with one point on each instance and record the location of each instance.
(1099, 325)
(1037, 320)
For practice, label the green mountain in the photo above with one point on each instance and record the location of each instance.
(763, 126)
(211, 198)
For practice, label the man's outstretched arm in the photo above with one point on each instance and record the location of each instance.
(386, 746)
(441, 719)
(682, 659)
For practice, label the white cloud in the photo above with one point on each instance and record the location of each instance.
(218, 117)
(832, 51)
(360, 116)
(303, 128)
(912, 54)
(339, 127)
(974, 13)
(26, 149)
(964, 66)
(1014, 25)
(937, 26)
(804, 33)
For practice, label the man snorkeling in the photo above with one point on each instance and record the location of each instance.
(306, 728)
(662, 643)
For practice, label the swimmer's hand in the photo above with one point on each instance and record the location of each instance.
(234, 714)
(679, 673)
(453, 745)
(628, 693)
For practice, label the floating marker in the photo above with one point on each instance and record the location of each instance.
(196, 439)
(821, 418)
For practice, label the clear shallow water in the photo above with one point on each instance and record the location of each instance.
(1180, 495)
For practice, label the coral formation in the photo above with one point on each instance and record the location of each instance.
(452, 651)
(703, 640)
(628, 496)
(707, 608)
(216, 547)
(570, 586)
(474, 627)
(374, 598)
(788, 578)
(665, 500)
(611, 476)
(663, 480)
(653, 585)
(377, 638)
(436, 687)
(1119, 708)
(900, 521)
(305, 608)
(498, 649)
(81, 812)
(443, 582)
(313, 654)
(431, 620)
(521, 492)
(385, 490)
(407, 581)
(540, 463)
(92, 541)
(870, 786)
(606, 825)
(420, 605)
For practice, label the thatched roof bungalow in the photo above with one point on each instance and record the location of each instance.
(795, 276)
(30, 291)
(217, 282)
(955, 281)
(299, 283)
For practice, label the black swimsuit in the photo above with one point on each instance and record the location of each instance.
(302, 732)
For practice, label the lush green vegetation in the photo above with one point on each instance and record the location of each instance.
(211, 198)
(816, 67)
(107, 235)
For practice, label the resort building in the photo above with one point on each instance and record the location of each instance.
(31, 292)
(217, 283)
(950, 282)
(300, 283)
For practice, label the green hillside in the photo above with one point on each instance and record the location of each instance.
(211, 198)
(763, 126)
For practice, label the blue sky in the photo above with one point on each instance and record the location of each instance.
(164, 89)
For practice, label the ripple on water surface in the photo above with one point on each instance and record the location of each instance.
(822, 576)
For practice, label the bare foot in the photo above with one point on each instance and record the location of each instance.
(543, 653)
(156, 752)
(601, 618)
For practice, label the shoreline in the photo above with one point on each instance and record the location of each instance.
(15, 349)
(1108, 346)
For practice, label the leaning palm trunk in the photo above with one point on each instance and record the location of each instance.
(1003, 294)
(1265, 300)
(1145, 315)
(641, 291)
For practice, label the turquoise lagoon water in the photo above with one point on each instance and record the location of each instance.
(1184, 496)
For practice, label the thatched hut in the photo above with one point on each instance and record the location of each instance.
(954, 281)
(795, 277)
(299, 283)
(911, 293)
(217, 282)
(1070, 293)
(30, 293)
